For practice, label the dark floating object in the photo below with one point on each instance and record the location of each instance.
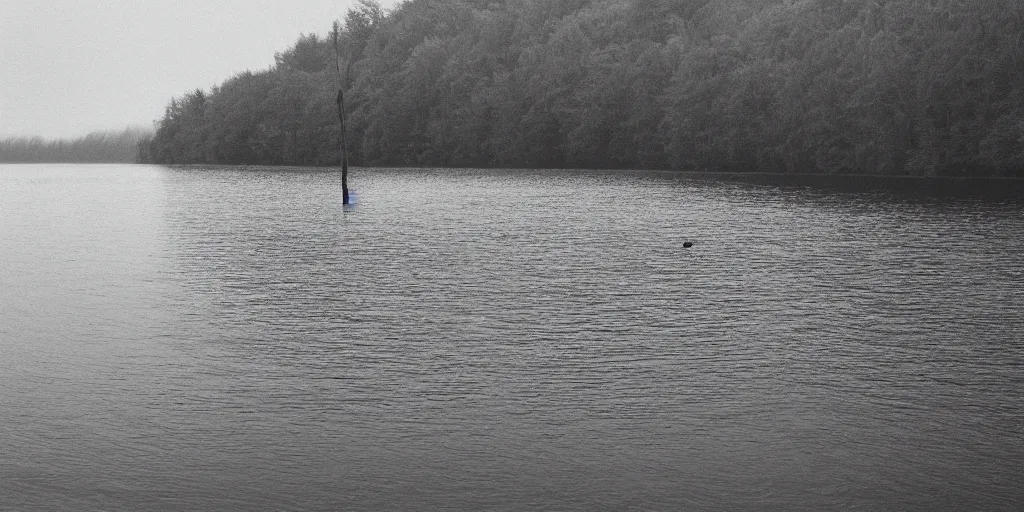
(687, 244)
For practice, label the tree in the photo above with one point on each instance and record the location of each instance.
(920, 87)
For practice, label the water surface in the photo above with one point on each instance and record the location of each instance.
(235, 339)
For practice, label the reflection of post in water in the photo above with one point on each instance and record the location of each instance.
(335, 32)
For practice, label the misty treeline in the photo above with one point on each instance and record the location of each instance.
(97, 147)
(914, 87)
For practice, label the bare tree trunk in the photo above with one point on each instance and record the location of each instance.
(335, 33)
(344, 148)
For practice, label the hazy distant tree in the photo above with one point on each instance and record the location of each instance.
(310, 53)
(96, 147)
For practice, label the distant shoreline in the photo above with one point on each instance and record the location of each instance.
(992, 186)
(939, 185)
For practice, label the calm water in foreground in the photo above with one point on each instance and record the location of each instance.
(228, 339)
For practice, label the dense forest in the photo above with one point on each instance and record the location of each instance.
(97, 147)
(903, 87)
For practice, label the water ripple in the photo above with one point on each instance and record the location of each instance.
(234, 339)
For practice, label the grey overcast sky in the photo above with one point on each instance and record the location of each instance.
(69, 67)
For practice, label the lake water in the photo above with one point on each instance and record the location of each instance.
(235, 339)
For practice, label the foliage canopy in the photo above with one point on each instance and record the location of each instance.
(909, 87)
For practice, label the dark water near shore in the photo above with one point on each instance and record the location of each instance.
(225, 339)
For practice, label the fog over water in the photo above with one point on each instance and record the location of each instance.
(235, 339)
(69, 68)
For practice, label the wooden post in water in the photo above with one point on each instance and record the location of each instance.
(335, 32)
(344, 148)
